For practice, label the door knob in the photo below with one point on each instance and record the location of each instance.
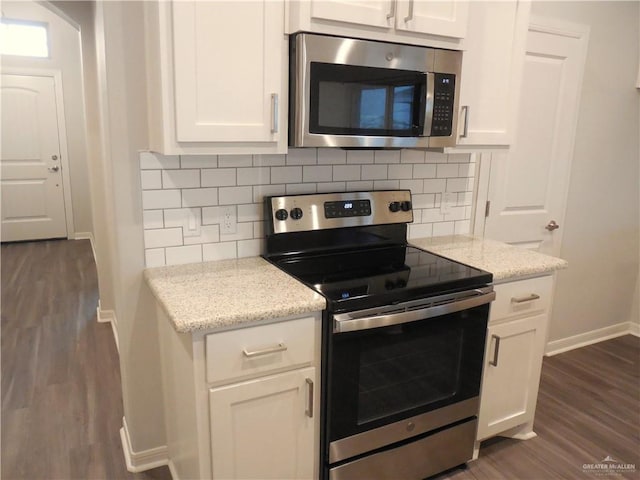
(552, 225)
(54, 168)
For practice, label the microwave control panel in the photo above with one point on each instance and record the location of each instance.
(443, 101)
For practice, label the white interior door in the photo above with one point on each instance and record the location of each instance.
(30, 168)
(528, 185)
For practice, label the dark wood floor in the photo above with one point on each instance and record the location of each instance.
(62, 404)
(61, 393)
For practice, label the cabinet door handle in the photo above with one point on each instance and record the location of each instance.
(274, 113)
(281, 347)
(465, 129)
(528, 298)
(309, 411)
(496, 351)
(410, 16)
(392, 12)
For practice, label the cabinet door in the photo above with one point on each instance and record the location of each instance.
(374, 13)
(228, 59)
(264, 428)
(448, 19)
(492, 72)
(510, 388)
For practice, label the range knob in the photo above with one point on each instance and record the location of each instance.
(405, 206)
(282, 214)
(296, 213)
(394, 206)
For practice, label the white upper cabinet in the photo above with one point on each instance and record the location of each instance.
(223, 77)
(492, 72)
(420, 22)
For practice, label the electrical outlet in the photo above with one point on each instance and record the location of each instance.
(191, 223)
(448, 200)
(229, 219)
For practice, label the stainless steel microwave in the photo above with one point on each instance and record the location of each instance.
(353, 93)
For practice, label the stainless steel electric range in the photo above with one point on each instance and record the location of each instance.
(403, 334)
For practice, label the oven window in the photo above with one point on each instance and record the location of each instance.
(350, 100)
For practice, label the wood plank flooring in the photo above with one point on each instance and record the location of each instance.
(62, 403)
(61, 392)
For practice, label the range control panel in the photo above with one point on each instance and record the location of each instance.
(298, 213)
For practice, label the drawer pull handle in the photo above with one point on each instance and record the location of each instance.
(496, 351)
(528, 298)
(309, 411)
(281, 347)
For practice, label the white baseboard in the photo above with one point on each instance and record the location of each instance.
(588, 338)
(172, 470)
(144, 460)
(105, 316)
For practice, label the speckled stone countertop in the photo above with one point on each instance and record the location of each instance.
(210, 295)
(506, 262)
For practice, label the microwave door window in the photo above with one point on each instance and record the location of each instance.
(402, 108)
(371, 110)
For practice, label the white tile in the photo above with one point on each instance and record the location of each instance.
(253, 176)
(331, 187)
(250, 212)
(420, 230)
(459, 157)
(249, 248)
(235, 195)
(443, 228)
(411, 156)
(244, 231)
(155, 161)
(151, 179)
(219, 177)
(374, 172)
(386, 184)
(456, 213)
(359, 157)
(434, 185)
(269, 160)
(210, 215)
(423, 201)
(359, 186)
(317, 173)
(152, 219)
(415, 186)
(261, 191)
(424, 171)
(301, 156)
(181, 255)
(180, 178)
(300, 188)
(435, 157)
(417, 215)
(331, 156)
(174, 217)
(465, 198)
(467, 169)
(198, 161)
(208, 234)
(346, 172)
(155, 199)
(235, 161)
(400, 171)
(258, 229)
(387, 156)
(457, 184)
(165, 237)
(462, 227)
(199, 197)
(286, 174)
(218, 251)
(431, 215)
(154, 257)
(446, 170)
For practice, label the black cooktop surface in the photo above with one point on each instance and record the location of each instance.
(363, 278)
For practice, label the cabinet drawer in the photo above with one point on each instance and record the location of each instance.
(262, 349)
(522, 297)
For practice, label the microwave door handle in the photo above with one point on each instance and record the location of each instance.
(428, 112)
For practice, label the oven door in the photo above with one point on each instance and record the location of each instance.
(404, 370)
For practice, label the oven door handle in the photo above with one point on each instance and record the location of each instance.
(346, 322)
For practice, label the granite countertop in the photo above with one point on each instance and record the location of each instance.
(506, 262)
(210, 295)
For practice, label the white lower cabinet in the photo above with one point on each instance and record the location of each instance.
(516, 338)
(264, 428)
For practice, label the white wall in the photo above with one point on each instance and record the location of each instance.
(64, 56)
(600, 238)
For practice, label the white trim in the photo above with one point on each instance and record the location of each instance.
(556, 26)
(87, 236)
(481, 192)
(589, 338)
(144, 460)
(104, 316)
(172, 470)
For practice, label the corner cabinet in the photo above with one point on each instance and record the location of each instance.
(516, 338)
(217, 76)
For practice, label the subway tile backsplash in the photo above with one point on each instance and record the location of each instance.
(184, 197)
